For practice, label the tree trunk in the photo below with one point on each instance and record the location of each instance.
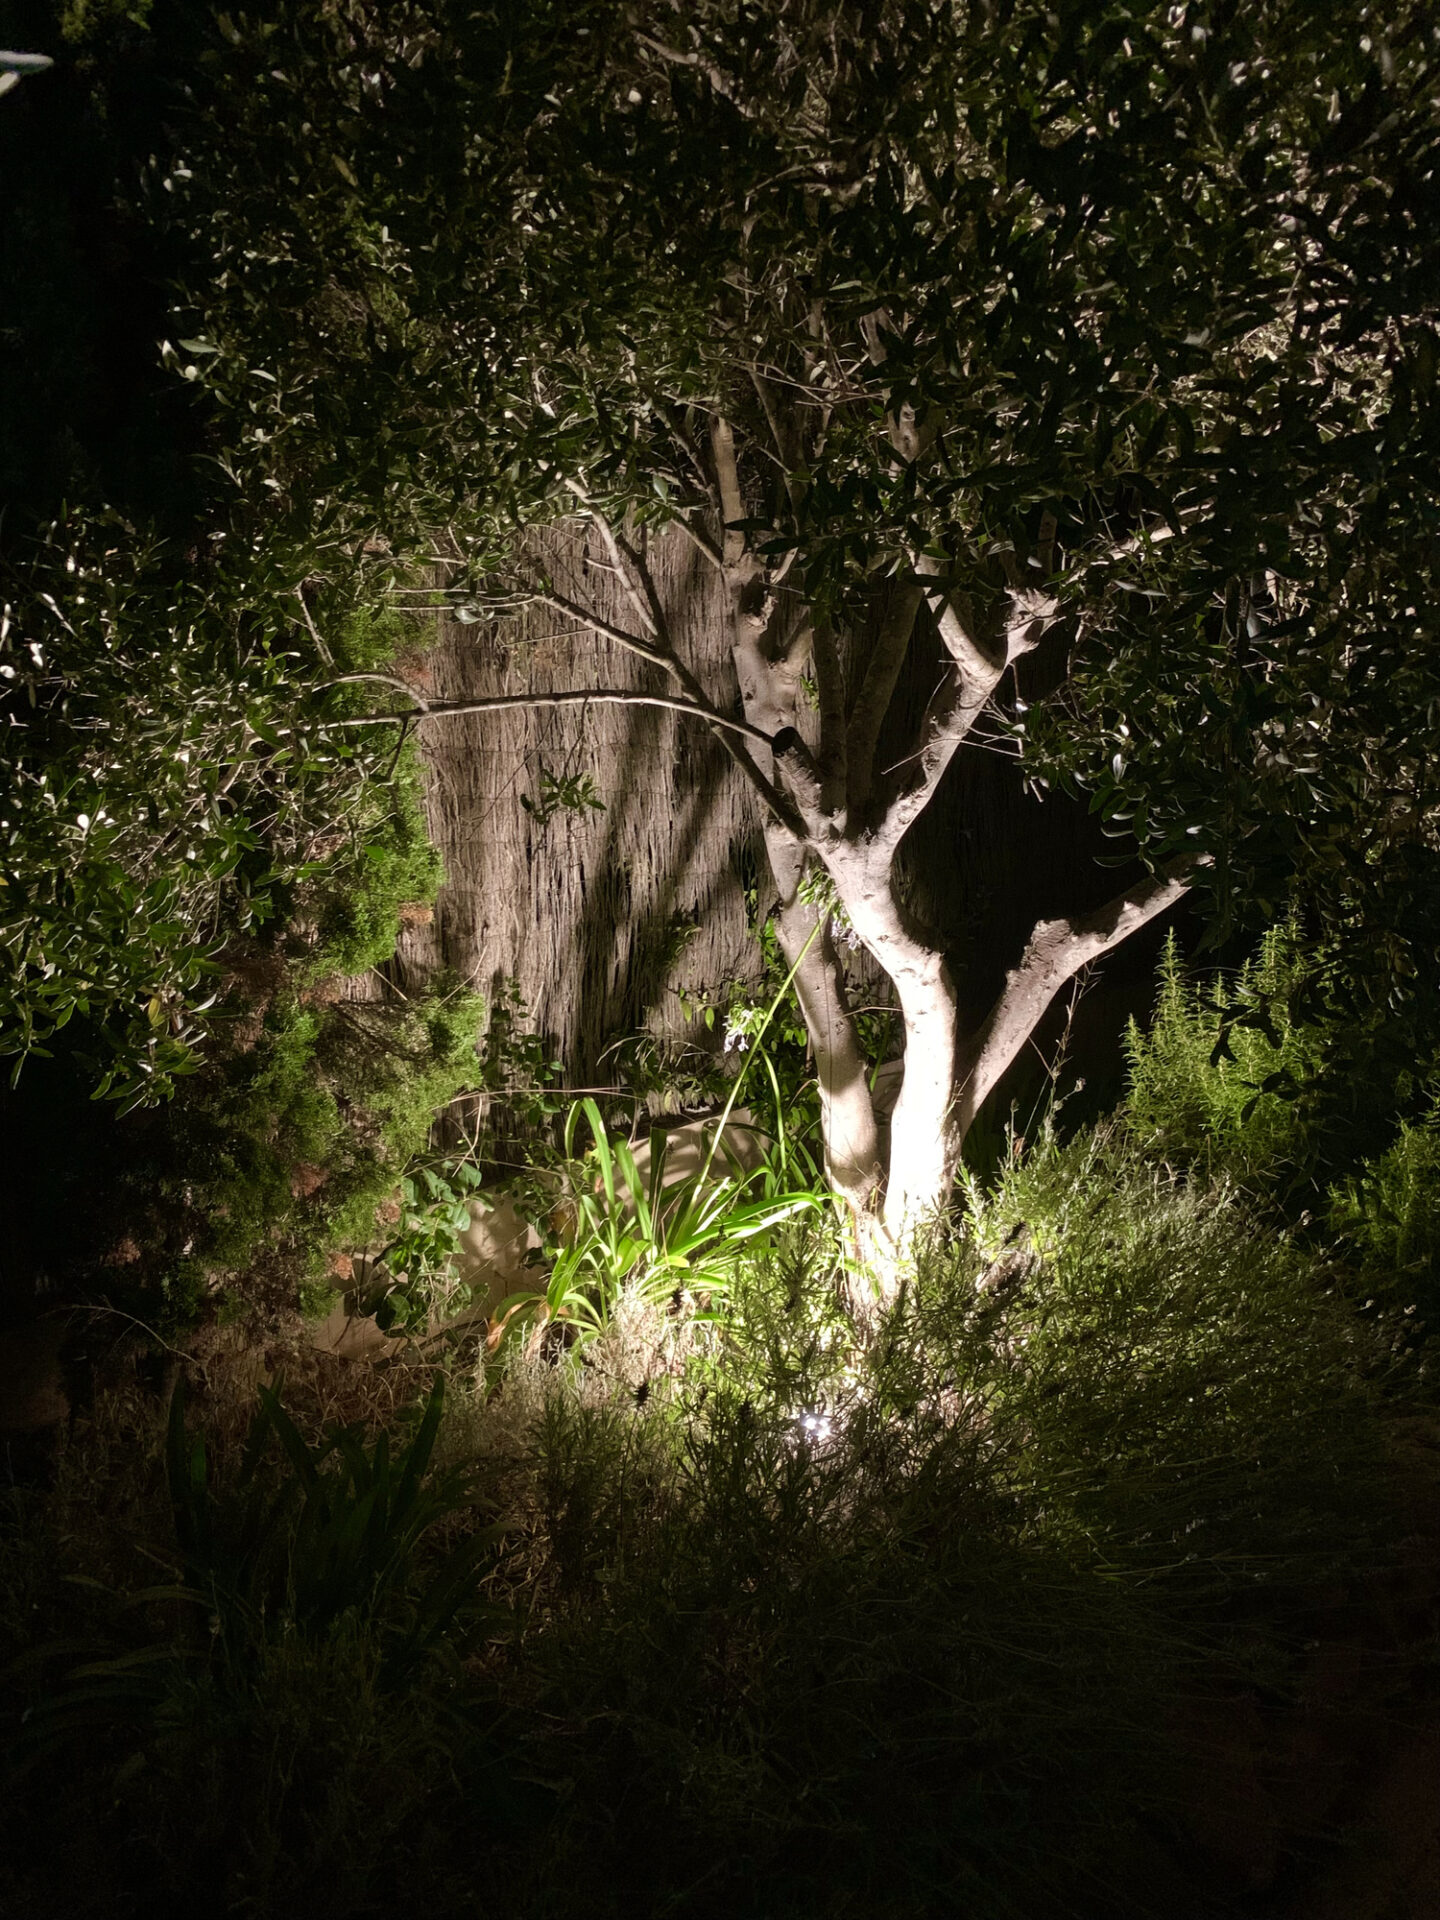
(834, 788)
(924, 1140)
(847, 1112)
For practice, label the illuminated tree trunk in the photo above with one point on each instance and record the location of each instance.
(847, 1114)
(814, 700)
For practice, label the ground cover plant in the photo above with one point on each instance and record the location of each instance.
(763, 1615)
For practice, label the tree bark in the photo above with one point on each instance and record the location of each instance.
(847, 1113)
(1056, 951)
(773, 638)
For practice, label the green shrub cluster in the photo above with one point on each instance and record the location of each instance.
(805, 1623)
(182, 777)
(1389, 1215)
(282, 1150)
(1328, 1122)
(1223, 1080)
(194, 847)
(381, 859)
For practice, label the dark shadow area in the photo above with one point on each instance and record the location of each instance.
(86, 409)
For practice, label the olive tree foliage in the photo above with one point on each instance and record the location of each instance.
(174, 794)
(950, 334)
(172, 779)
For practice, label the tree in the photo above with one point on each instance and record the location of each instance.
(1094, 343)
(169, 789)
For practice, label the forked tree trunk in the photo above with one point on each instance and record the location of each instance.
(843, 815)
(814, 703)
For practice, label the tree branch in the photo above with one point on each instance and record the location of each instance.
(320, 646)
(787, 444)
(642, 649)
(702, 544)
(647, 613)
(802, 777)
(948, 719)
(668, 655)
(1054, 954)
(962, 697)
(384, 680)
(974, 660)
(830, 691)
(882, 670)
(646, 597)
(732, 500)
(500, 702)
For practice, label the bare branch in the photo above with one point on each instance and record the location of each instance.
(645, 613)
(647, 596)
(952, 712)
(882, 670)
(954, 707)
(320, 646)
(1054, 954)
(673, 416)
(721, 725)
(787, 440)
(975, 661)
(963, 696)
(384, 680)
(732, 501)
(500, 702)
(643, 649)
(1031, 615)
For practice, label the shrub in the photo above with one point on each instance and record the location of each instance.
(283, 1149)
(965, 1573)
(815, 1624)
(675, 1241)
(179, 777)
(1229, 1083)
(272, 1721)
(1389, 1213)
(1224, 1078)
